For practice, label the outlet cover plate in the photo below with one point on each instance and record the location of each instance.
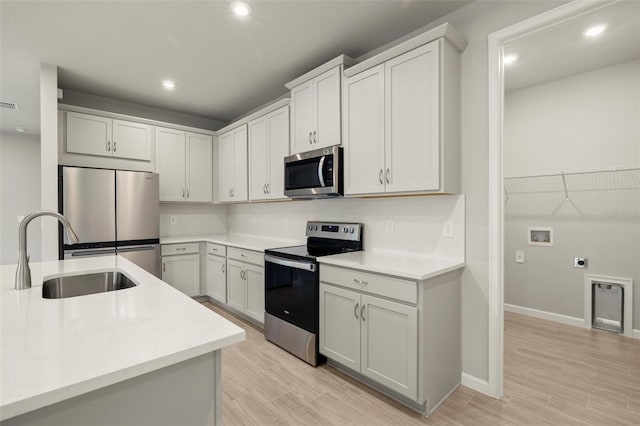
(519, 256)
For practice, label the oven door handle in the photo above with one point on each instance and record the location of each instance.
(320, 171)
(307, 266)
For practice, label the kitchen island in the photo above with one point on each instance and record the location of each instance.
(136, 356)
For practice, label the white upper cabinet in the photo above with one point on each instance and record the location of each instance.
(131, 140)
(364, 129)
(315, 112)
(199, 167)
(268, 145)
(94, 135)
(401, 124)
(184, 162)
(232, 165)
(316, 102)
(171, 163)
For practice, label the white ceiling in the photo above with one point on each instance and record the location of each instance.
(223, 66)
(562, 50)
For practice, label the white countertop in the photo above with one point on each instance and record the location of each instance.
(247, 242)
(52, 350)
(392, 263)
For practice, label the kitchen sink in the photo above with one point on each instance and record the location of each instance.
(81, 285)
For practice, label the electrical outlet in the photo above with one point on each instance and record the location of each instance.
(448, 228)
(580, 262)
(173, 220)
(519, 256)
(388, 226)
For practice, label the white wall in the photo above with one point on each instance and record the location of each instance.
(19, 192)
(192, 219)
(87, 100)
(417, 221)
(586, 121)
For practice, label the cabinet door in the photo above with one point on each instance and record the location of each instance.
(199, 167)
(254, 277)
(327, 106)
(240, 162)
(258, 159)
(225, 166)
(278, 128)
(236, 286)
(340, 325)
(303, 117)
(131, 140)
(390, 344)
(170, 163)
(88, 134)
(412, 122)
(217, 278)
(183, 273)
(364, 132)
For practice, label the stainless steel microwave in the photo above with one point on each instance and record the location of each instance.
(314, 174)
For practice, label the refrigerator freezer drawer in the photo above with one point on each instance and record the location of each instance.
(146, 256)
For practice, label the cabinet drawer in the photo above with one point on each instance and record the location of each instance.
(217, 249)
(394, 288)
(248, 256)
(187, 248)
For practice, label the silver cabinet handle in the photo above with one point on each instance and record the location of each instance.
(362, 313)
(114, 146)
(310, 141)
(380, 177)
(187, 193)
(243, 255)
(355, 311)
(232, 194)
(164, 267)
(268, 188)
(108, 145)
(223, 268)
(182, 192)
(388, 176)
(181, 248)
(357, 281)
(314, 137)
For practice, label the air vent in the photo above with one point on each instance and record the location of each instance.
(9, 105)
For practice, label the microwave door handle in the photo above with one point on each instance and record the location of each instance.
(320, 169)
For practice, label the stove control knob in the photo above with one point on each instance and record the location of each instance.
(352, 230)
(345, 230)
(315, 227)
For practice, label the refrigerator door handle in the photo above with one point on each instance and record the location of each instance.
(138, 248)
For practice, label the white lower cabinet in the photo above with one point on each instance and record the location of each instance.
(373, 336)
(245, 283)
(217, 278)
(400, 334)
(182, 272)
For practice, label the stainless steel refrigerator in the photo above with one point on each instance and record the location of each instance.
(112, 211)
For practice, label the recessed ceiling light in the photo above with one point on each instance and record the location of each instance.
(20, 129)
(594, 31)
(168, 84)
(240, 8)
(509, 59)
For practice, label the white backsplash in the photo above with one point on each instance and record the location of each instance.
(192, 219)
(417, 222)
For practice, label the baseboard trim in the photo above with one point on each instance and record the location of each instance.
(475, 383)
(563, 319)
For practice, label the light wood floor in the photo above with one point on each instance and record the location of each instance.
(554, 375)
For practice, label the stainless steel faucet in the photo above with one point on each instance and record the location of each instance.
(23, 273)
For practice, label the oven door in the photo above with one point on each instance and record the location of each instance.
(291, 291)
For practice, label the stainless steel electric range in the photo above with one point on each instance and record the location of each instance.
(292, 282)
